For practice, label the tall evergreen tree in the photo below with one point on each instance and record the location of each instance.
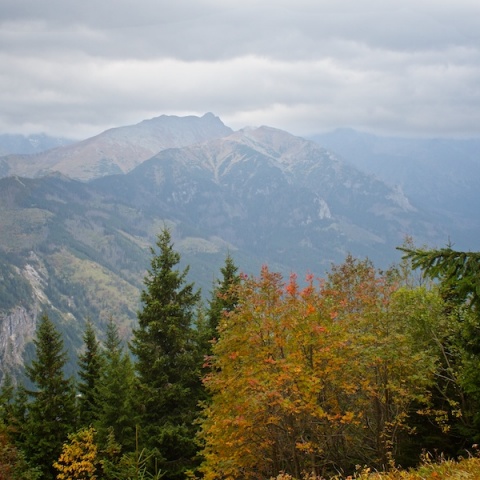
(7, 394)
(168, 361)
(13, 465)
(458, 274)
(51, 411)
(224, 297)
(90, 368)
(223, 300)
(115, 411)
(17, 418)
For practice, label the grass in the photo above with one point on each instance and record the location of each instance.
(430, 469)
(110, 294)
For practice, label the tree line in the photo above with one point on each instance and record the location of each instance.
(273, 377)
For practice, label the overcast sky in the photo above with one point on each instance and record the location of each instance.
(77, 67)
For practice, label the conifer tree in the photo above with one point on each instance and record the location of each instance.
(224, 297)
(7, 393)
(13, 465)
(17, 417)
(223, 301)
(458, 274)
(115, 412)
(90, 367)
(51, 411)
(168, 361)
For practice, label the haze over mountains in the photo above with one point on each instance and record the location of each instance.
(21, 144)
(439, 175)
(76, 222)
(117, 150)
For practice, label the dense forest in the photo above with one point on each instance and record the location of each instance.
(272, 378)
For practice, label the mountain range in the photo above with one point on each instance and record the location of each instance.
(439, 175)
(21, 144)
(77, 221)
(117, 150)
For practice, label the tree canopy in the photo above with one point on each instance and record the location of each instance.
(458, 271)
(168, 361)
(51, 410)
(274, 378)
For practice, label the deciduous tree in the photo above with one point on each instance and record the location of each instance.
(275, 359)
(390, 330)
(78, 460)
(316, 378)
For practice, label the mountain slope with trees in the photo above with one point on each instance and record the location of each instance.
(262, 194)
(301, 382)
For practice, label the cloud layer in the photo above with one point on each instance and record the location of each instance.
(76, 68)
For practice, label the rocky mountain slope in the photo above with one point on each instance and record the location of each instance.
(80, 249)
(118, 150)
(439, 175)
(276, 195)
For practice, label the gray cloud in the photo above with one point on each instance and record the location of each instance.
(76, 68)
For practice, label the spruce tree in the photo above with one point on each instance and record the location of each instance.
(224, 297)
(90, 368)
(458, 276)
(13, 464)
(7, 394)
(17, 420)
(168, 362)
(115, 403)
(51, 410)
(458, 272)
(223, 300)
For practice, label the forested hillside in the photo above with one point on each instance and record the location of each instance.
(355, 360)
(272, 378)
(80, 249)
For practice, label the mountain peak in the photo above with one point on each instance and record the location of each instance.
(207, 118)
(120, 149)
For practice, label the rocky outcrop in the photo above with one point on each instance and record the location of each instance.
(18, 324)
(17, 328)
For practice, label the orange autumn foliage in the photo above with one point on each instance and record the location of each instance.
(79, 457)
(303, 379)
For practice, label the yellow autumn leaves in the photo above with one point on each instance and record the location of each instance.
(306, 379)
